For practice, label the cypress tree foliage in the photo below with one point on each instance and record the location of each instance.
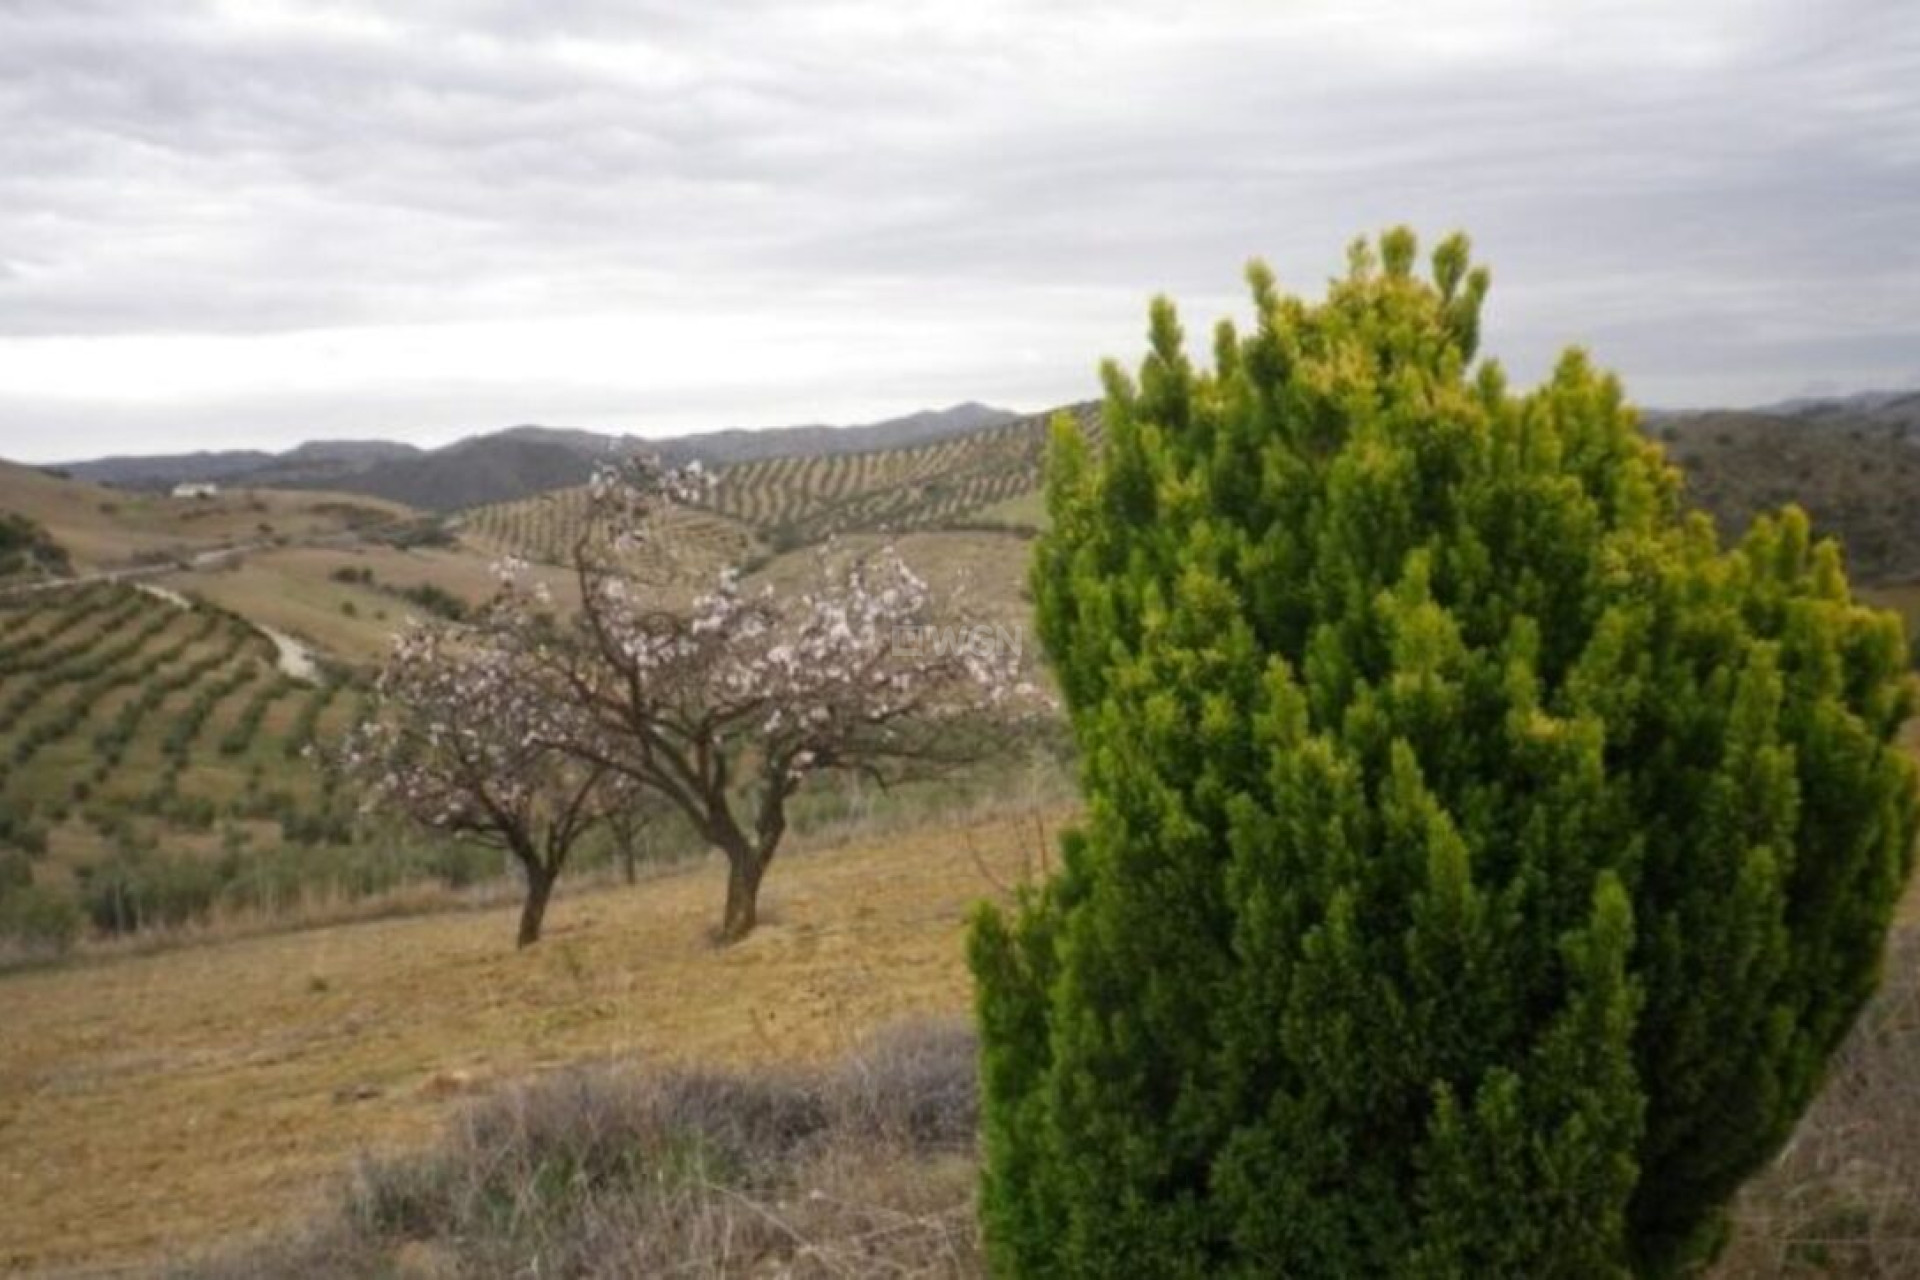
(1479, 864)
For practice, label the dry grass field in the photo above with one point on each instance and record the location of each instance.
(156, 1104)
(106, 528)
(295, 590)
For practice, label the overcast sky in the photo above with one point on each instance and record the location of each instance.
(252, 223)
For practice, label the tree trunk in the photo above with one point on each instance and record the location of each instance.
(744, 872)
(534, 911)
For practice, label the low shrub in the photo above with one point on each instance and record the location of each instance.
(39, 920)
(136, 889)
(862, 1169)
(436, 600)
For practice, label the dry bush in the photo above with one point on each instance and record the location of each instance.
(864, 1169)
(1844, 1197)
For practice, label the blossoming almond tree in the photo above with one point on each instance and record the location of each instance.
(727, 706)
(465, 744)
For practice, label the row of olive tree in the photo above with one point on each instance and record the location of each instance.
(527, 725)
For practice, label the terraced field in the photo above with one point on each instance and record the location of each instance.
(543, 530)
(983, 478)
(152, 758)
(796, 501)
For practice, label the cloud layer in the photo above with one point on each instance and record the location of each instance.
(253, 222)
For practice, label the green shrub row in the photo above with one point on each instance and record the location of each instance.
(237, 739)
(186, 726)
(112, 741)
(71, 609)
(137, 887)
(98, 675)
(39, 920)
(44, 650)
(19, 831)
(307, 724)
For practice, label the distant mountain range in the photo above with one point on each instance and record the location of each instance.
(515, 463)
(1853, 461)
(1890, 408)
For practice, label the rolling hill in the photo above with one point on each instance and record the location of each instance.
(1854, 462)
(88, 666)
(514, 463)
(102, 528)
(974, 480)
(153, 772)
(1857, 475)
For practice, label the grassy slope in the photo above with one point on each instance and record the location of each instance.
(103, 527)
(160, 1101)
(293, 590)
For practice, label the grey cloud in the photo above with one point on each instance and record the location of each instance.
(1717, 198)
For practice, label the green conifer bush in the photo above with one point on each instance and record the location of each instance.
(1480, 864)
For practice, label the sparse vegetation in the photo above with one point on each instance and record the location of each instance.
(599, 1170)
(26, 550)
(1843, 1199)
(421, 531)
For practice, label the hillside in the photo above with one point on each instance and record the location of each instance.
(146, 742)
(313, 464)
(738, 444)
(1853, 462)
(692, 544)
(1857, 475)
(1899, 410)
(486, 469)
(983, 480)
(346, 600)
(28, 552)
(510, 464)
(102, 528)
(174, 1100)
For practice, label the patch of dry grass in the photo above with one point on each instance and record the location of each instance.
(104, 527)
(166, 1101)
(1843, 1199)
(606, 1170)
(293, 589)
